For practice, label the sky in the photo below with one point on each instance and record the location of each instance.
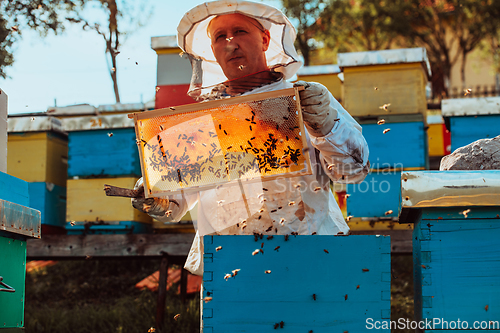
(70, 68)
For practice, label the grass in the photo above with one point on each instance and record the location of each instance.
(99, 296)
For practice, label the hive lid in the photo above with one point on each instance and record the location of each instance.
(385, 57)
(319, 70)
(97, 122)
(21, 220)
(451, 188)
(34, 124)
(470, 106)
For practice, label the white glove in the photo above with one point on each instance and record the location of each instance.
(319, 116)
(155, 207)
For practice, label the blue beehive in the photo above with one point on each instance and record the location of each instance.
(50, 200)
(403, 147)
(375, 196)
(103, 152)
(472, 119)
(455, 246)
(297, 283)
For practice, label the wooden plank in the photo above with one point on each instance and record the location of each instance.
(319, 283)
(105, 246)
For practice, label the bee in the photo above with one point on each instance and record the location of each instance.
(227, 276)
(260, 195)
(152, 330)
(365, 269)
(465, 212)
(326, 251)
(375, 88)
(113, 69)
(357, 287)
(270, 236)
(269, 229)
(340, 233)
(296, 186)
(168, 213)
(204, 144)
(176, 316)
(262, 245)
(277, 248)
(282, 324)
(14, 28)
(381, 121)
(255, 252)
(314, 233)
(268, 271)
(172, 108)
(261, 210)
(347, 196)
(314, 296)
(229, 39)
(386, 130)
(241, 67)
(291, 203)
(32, 118)
(110, 134)
(136, 63)
(349, 218)
(207, 299)
(282, 221)
(87, 257)
(235, 272)
(385, 106)
(72, 222)
(330, 166)
(389, 212)
(317, 188)
(261, 251)
(467, 91)
(276, 326)
(286, 238)
(218, 248)
(220, 202)
(345, 297)
(157, 89)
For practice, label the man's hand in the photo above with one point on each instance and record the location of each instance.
(155, 207)
(319, 117)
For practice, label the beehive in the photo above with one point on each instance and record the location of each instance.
(17, 222)
(376, 78)
(296, 282)
(248, 138)
(327, 75)
(101, 146)
(472, 119)
(50, 200)
(455, 246)
(438, 136)
(88, 205)
(38, 150)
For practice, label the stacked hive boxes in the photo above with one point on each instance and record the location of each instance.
(456, 270)
(102, 150)
(38, 151)
(385, 92)
(472, 119)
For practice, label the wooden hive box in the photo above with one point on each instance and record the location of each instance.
(438, 136)
(89, 210)
(17, 222)
(38, 150)
(327, 75)
(100, 146)
(375, 78)
(297, 283)
(402, 146)
(455, 246)
(50, 200)
(472, 119)
(377, 196)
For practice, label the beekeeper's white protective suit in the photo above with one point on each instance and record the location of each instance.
(304, 204)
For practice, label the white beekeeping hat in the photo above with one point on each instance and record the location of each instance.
(193, 39)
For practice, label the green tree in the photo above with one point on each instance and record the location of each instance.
(304, 13)
(120, 15)
(44, 16)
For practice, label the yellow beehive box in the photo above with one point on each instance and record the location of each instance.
(38, 150)
(87, 202)
(385, 82)
(327, 75)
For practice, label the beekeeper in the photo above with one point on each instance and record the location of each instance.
(241, 48)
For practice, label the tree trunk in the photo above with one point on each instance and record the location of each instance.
(462, 69)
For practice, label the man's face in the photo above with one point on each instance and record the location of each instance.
(238, 45)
